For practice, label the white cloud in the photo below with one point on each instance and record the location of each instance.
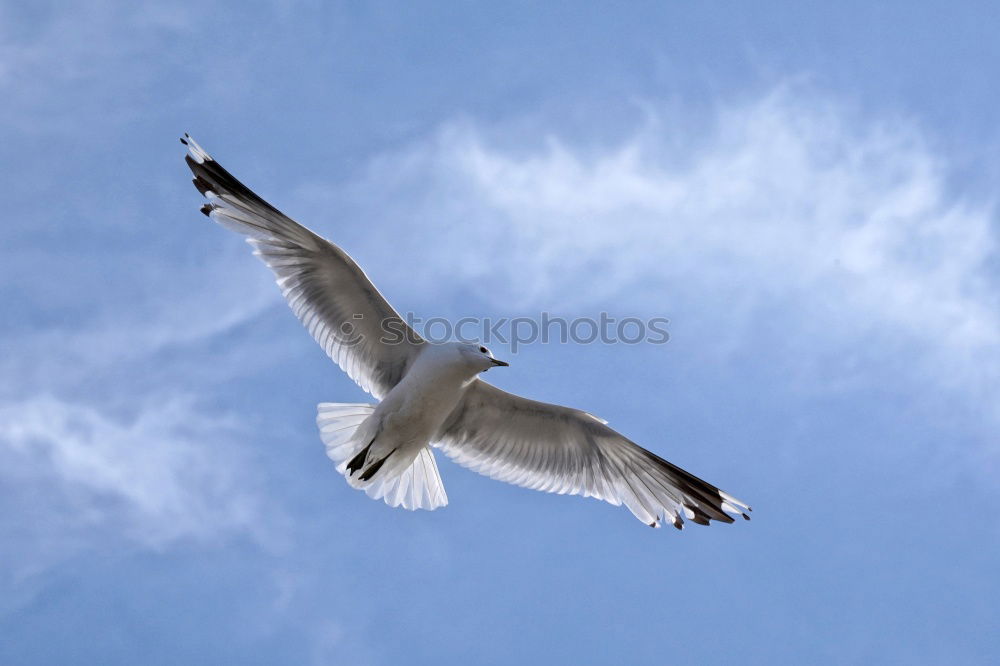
(792, 203)
(163, 473)
(79, 480)
(102, 447)
(100, 440)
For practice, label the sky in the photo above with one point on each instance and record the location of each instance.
(807, 192)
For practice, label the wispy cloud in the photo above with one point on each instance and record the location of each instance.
(169, 305)
(150, 472)
(81, 480)
(791, 203)
(103, 445)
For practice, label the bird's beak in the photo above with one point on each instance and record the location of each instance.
(503, 364)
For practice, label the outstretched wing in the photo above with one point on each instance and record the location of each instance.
(325, 288)
(561, 450)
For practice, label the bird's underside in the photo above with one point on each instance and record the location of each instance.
(501, 435)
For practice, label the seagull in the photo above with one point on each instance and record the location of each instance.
(432, 395)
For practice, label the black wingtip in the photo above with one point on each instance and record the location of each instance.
(745, 516)
(209, 174)
(183, 140)
(201, 184)
(206, 210)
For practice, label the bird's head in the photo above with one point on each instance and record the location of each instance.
(479, 356)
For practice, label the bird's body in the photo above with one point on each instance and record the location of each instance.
(432, 396)
(410, 416)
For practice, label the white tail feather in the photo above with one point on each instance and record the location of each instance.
(418, 486)
(337, 424)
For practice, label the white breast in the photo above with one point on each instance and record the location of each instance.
(413, 412)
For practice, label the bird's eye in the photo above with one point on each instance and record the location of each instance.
(484, 350)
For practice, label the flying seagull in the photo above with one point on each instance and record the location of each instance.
(432, 396)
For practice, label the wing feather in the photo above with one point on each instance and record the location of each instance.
(562, 450)
(325, 288)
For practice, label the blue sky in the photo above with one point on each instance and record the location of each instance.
(806, 192)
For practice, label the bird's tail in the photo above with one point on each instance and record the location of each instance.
(415, 486)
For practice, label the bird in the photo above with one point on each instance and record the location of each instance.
(433, 396)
